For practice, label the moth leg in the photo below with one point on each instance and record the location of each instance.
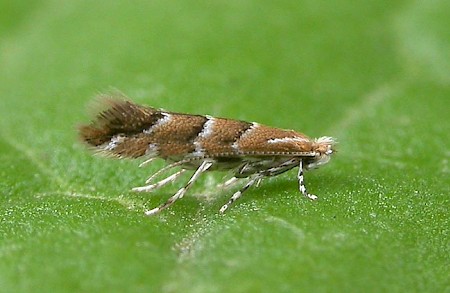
(285, 166)
(239, 193)
(161, 183)
(180, 193)
(148, 161)
(258, 181)
(164, 169)
(228, 183)
(301, 183)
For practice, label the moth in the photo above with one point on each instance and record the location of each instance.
(250, 150)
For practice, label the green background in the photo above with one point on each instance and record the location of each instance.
(373, 74)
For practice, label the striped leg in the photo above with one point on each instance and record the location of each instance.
(164, 169)
(180, 193)
(239, 193)
(301, 183)
(147, 162)
(159, 184)
(230, 182)
(283, 167)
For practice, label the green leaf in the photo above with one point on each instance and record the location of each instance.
(375, 75)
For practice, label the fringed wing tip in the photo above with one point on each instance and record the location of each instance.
(94, 132)
(104, 102)
(111, 114)
(91, 135)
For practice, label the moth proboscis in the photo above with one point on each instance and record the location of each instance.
(250, 150)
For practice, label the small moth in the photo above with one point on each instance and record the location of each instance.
(201, 143)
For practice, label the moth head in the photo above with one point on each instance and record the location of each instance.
(324, 147)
